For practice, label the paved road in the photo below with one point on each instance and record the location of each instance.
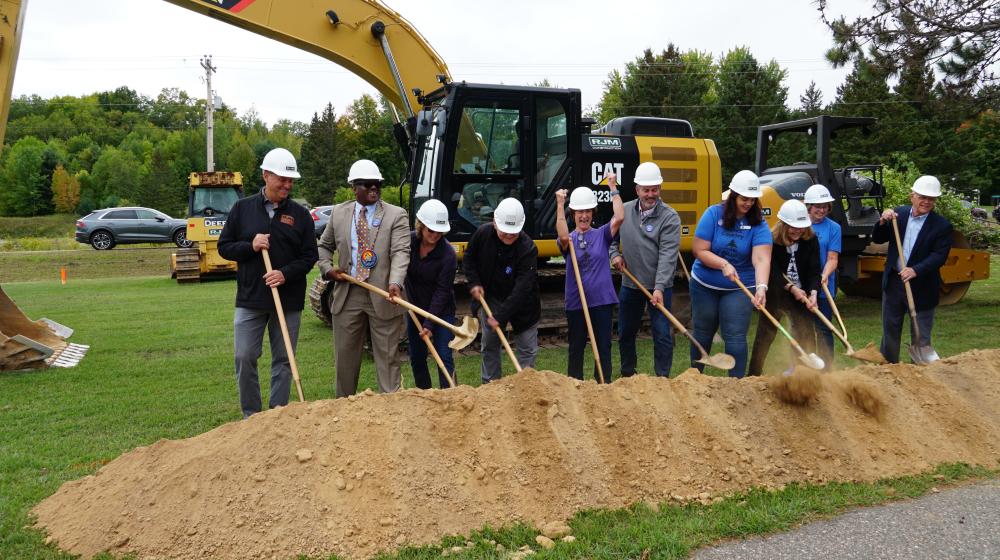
(957, 524)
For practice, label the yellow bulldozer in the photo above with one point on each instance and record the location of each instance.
(211, 195)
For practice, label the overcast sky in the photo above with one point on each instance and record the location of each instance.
(74, 47)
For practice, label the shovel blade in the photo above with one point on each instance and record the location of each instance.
(465, 333)
(813, 361)
(923, 354)
(718, 361)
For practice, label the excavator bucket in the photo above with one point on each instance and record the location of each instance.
(27, 344)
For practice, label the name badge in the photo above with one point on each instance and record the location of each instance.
(368, 258)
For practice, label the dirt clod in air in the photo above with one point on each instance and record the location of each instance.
(869, 354)
(377, 472)
(802, 386)
(861, 393)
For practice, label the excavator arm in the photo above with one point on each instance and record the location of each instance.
(364, 36)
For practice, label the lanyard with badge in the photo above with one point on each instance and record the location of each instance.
(367, 256)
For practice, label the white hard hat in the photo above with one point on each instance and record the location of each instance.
(648, 175)
(745, 183)
(817, 194)
(928, 185)
(364, 169)
(281, 162)
(509, 216)
(794, 213)
(582, 198)
(434, 215)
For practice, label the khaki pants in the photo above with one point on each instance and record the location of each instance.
(349, 328)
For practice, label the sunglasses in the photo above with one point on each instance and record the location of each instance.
(368, 184)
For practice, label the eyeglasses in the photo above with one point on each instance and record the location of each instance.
(368, 184)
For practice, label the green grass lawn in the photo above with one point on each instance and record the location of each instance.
(160, 366)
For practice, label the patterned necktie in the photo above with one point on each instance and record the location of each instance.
(361, 273)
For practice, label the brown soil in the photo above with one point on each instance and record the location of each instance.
(373, 472)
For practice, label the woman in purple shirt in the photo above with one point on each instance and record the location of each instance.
(595, 272)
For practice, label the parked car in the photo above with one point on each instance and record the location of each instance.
(105, 228)
(321, 215)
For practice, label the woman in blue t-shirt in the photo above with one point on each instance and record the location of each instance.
(732, 240)
(820, 204)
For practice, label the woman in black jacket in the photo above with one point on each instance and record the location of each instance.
(794, 282)
(430, 280)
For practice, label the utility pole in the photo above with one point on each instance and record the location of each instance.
(206, 63)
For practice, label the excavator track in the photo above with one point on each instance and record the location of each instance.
(188, 267)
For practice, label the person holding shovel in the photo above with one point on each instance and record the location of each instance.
(648, 245)
(501, 264)
(925, 245)
(429, 284)
(794, 282)
(591, 247)
(732, 242)
(820, 203)
(268, 220)
(371, 239)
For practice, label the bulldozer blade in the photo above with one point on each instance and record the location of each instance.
(27, 344)
(464, 333)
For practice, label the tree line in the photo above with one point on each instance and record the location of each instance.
(925, 70)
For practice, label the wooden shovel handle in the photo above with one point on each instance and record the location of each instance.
(670, 316)
(503, 337)
(906, 283)
(430, 347)
(403, 303)
(775, 322)
(284, 328)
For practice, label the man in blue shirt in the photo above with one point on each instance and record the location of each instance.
(926, 240)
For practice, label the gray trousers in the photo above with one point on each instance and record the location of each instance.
(894, 309)
(248, 338)
(525, 345)
(349, 328)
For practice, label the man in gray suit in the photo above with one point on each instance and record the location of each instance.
(372, 241)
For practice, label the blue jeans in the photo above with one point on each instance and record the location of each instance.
(440, 336)
(824, 336)
(729, 313)
(631, 304)
(600, 317)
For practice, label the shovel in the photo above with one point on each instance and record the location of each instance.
(720, 361)
(809, 359)
(866, 354)
(464, 334)
(284, 328)
(430, 348)
(833, 305)
(586, 313)
(503, 338)
(919, 354)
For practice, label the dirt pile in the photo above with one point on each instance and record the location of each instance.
(373, 472)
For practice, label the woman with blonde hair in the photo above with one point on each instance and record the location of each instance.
(794, 282)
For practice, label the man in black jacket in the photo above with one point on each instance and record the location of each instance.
(500, 264)
(268, 220)
(926, 238)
